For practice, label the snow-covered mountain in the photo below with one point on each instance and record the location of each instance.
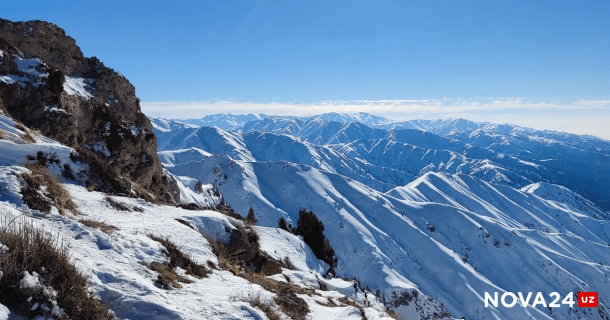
(450, 237)
(228, 121)
(518, 156)
(416, 219)
(114, 240)
(378, 158)
(428, 247)
(417, 214)
(361, 117)
(224, 121)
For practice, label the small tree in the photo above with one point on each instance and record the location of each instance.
(198, 186)
(312, 230)
(282, 224)
(251, 218)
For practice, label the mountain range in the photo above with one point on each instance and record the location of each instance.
(504, 154)
(445, 210)
(107, 214)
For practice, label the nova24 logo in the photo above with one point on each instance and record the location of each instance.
(509, 300)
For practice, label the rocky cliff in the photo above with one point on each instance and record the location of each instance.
(47, 83)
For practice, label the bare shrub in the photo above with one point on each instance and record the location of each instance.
(41, 199)
(256, 300)
(106, 228)
(167, 277)
(141, 192)
(31, 251)
(116, 205)
(26, 136)
(288, 263)
(253, 265)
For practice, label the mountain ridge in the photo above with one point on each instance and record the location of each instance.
(533, 155)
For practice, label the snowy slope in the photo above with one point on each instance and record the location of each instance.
(451, 237)
(173, 135)
(224, 121)
(116, 262)
(379, 159)
(566, 197)
(577, 162)
(429, 249)
(269, 147)
(227, 121)
(361, 117)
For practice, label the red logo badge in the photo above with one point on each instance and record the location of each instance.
(587, 300)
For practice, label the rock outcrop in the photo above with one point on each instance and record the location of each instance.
(47, 83)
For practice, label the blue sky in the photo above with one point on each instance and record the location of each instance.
(532, 58)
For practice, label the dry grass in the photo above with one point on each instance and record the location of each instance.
(343, 302)
(167, 277)
(2, 134)
(141, 192)
(26, 136)
(32, 250)
(256, 300)
(42, 199)
(116, 205)
(394, 315)
(106, 228)
(256, 269)
(229, 259)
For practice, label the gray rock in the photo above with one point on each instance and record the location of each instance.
(100, 126)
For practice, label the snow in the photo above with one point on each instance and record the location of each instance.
(205, 198)
(55, 110)
(28, 66)
(280, 245)
(182, 156)
(116, 262)
(10, 79)
(134, 130)
(31, 283)
(519, 155)
(77, 86)
(100, 146)
(4, 312)
(28, 72)
(385, 239)
(528, 163)
(431, 245)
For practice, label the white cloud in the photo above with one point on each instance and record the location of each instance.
(581, 116)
